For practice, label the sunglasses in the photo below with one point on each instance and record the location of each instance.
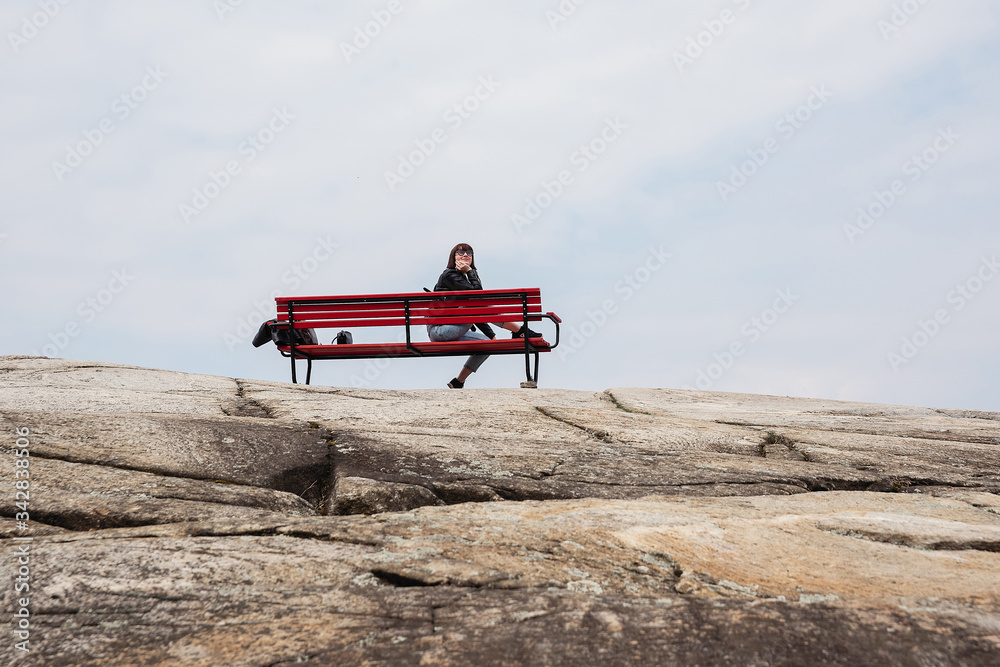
(463, 253)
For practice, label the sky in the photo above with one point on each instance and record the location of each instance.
(759, 196)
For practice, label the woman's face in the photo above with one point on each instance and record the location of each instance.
(463, 256)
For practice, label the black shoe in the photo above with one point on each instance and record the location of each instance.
(520, 333)
(456, 383)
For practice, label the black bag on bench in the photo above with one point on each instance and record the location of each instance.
(269, 331)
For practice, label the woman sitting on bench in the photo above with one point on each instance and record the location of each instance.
(461, 275)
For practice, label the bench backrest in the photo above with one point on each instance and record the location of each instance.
(418, 308)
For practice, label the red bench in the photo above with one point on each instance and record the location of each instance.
(410, 310)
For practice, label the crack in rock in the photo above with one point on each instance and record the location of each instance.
(602, 436)
(915, 532)
(245, 406)
(919, 435)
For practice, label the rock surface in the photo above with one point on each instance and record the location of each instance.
(188, 519)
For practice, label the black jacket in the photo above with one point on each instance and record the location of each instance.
(452, 280)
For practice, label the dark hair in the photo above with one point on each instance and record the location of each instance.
(461, 246)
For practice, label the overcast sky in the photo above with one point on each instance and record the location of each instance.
(760, 196)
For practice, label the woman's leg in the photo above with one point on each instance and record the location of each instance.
(475, 361)
(445, 332)
(516, 327)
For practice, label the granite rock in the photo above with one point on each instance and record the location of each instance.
(187, 519)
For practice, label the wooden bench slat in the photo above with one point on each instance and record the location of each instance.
(464, 318)
(356, 349)
(332, 324)
(505, 304)
(463, 303)
(532, 292)
(473, 312)
(344, 307)
(400, 321)
(469, 312)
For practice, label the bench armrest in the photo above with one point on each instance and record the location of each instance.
(554, 318)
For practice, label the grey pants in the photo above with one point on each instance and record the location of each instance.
(445, 332)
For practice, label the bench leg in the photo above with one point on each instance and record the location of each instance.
(309, 371)
(531, 383)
